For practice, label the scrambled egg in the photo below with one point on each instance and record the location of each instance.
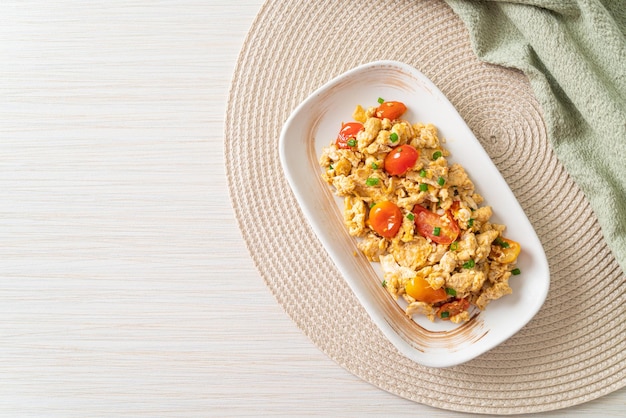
(444, 240)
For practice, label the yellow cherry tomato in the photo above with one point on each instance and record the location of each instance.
(419, 289)
(504, 250)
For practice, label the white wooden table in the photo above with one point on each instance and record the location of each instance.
(126, 289)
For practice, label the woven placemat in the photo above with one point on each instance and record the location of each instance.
(575, 348)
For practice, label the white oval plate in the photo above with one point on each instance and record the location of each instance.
(315, 124)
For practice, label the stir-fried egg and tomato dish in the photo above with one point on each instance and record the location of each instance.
(417, 215)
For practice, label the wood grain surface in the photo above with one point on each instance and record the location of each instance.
(126, 288)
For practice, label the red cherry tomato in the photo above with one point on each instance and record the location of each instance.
(401, 159)
(348, 132)
(390, 110)
(385, 218)
(453, 308)
(430, 225)
(419, 289)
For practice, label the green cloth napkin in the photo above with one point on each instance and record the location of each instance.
(574, 54)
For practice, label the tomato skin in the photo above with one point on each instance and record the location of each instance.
(505, 255)
(390, 110)
(385, 218)
(453, 308)
(401, 159)
(426, 221)
(419, 289)
(348, 131)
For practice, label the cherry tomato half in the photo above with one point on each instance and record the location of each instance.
(430, 225)
(385, 218)
(390, 110)
(453, 308)
(401, 159)
(348, 132)
(505, 250)
(419, 289)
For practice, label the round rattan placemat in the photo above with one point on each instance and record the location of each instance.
(573, 351)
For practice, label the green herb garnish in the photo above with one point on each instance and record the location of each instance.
(469, 264)
(372, 181)
(502, 243)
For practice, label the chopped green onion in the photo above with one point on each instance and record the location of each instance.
(372, 181)
(454, 246)
(374, 166)
(330, 167)
(441, 181)
(502, 243)
(470, 223)
(393, 137)
(422, 173)
(424, 187)
(515, 272)
(450, 291)
(436, 231)
(436, 155)
(410, 216)
(352, 142)
(381, 100)
(384, 283)
(372, 204)
(469, 264)
(445, 314)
